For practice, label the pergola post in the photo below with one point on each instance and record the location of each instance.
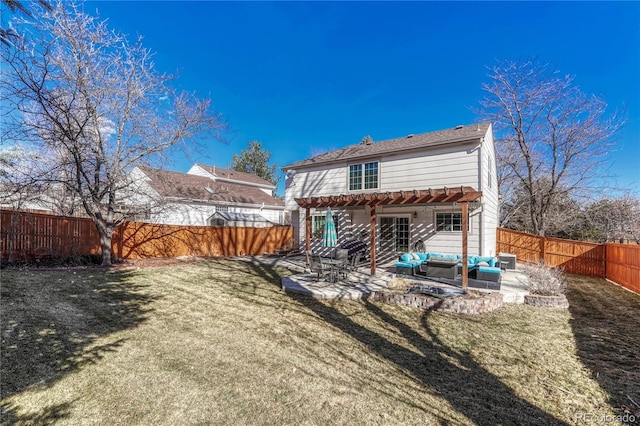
(307, 237)
(372, 230)
(465, 251)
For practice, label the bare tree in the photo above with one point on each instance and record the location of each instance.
(552, 139)
(16, 6)
(613, 219)
(93, 106)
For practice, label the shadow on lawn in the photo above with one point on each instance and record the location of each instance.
(604, 319)
(456, 377)
(51, 321)
(467, 386)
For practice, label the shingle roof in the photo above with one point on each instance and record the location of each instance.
(232, 174)
(182, 185)
(241, 217)
(469, 132)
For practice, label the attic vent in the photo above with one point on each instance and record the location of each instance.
(459, 126)
(410, 135)
(367, 140)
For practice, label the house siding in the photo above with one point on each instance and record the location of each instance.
(199, 171)
(444, 167)
(315, 182)
(490, 197)
(449, 165)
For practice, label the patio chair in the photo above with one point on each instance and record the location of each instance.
(318, 267)
(343, 254)
(355, 261)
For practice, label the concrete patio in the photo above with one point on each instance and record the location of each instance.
(360, 284)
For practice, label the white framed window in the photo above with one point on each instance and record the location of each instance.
(364, 176)
(448, 221)
(317, 225)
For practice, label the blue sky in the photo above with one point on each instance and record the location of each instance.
(307, 77)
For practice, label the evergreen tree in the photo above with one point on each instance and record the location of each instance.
(255, 160)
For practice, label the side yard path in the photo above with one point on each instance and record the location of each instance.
(218, 342)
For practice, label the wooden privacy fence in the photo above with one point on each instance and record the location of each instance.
(28, 236)
(145, 240)
(619, 263)
(623, 265)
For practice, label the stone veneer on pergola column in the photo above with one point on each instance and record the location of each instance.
(461, 195)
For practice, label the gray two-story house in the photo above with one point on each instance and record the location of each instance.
(398, 195)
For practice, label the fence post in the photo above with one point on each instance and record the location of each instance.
(604, 259)
(543, 253)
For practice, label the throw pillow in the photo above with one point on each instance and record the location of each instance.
(415, 256)
(483, 264)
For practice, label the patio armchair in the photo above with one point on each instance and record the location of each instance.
(317, 266)
(355, 262)
(343, 254)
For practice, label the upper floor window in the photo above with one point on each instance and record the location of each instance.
(363, 176)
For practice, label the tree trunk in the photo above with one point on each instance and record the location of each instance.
(105, 231)
(105, 245)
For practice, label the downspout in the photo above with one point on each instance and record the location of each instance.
(481, 240)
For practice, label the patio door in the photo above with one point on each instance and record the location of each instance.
(394, 234)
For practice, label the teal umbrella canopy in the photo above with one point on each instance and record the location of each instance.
(329, 237)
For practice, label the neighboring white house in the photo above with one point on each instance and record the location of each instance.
(408, 190)
(219, 174)
(207, 195)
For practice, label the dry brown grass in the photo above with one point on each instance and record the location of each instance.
(217, 342)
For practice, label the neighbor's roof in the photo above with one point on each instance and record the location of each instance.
(241, 217)
(232, 174)
(471, 132)
(193, 187)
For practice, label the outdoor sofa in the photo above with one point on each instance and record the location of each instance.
(485, 268)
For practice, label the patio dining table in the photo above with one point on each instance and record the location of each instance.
(336, 265)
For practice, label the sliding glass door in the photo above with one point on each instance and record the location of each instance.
(394, 234)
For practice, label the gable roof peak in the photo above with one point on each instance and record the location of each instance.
(228, 174)
(458, 134)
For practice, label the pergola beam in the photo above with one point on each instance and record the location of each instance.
(424, 196)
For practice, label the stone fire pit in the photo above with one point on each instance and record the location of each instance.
(438, 297)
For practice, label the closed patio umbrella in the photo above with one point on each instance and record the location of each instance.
(329, 237)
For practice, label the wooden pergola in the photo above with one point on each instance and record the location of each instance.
(370, 201)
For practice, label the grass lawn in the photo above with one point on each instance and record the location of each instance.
(217, 342)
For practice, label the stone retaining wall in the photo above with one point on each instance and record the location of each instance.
(485, 302)
(546, 301)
